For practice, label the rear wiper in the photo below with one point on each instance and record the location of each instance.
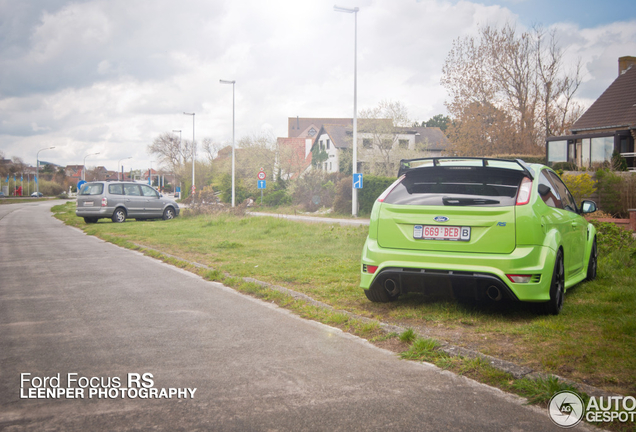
(451, 201)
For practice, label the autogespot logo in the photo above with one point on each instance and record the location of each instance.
(440, 219)
(566, 409)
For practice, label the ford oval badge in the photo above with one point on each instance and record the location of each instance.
(440, 219)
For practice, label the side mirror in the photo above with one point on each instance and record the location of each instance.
(543, 190)
(588, 207)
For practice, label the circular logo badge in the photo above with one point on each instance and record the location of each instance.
(566, 409)
(440, 219)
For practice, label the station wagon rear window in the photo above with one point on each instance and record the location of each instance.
(457, 186)
(92, 189)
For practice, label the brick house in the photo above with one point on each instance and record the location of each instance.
(608, 126)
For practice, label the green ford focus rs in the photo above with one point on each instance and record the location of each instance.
(480, 228)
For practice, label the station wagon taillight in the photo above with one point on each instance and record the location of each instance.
(104, 202)
(523, 196)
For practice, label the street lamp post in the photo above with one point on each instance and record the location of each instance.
(233, 145)
(118, 165)
(193, 154)
(84, 166)
(354, 191)
(37, 170)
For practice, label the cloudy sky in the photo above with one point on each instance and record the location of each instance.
(109, 76)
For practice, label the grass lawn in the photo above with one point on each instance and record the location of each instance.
(593, 340)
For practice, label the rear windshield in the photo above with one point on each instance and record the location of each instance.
(92, 189)
(457, 186)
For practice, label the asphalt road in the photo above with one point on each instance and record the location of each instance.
(73, 304)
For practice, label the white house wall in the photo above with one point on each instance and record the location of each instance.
(332, 162)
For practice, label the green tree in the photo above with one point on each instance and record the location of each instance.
(440, 121)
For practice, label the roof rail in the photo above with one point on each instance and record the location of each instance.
(407, 165)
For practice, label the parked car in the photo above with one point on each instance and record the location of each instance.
(37, 194)
(120, 200)
(2, 195)
(485, 228)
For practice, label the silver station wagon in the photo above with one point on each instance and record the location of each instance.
(121, 200)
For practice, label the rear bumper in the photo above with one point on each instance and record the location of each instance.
(98, 212)
(466, 274)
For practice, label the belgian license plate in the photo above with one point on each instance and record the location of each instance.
(88, 203)
(438, 232)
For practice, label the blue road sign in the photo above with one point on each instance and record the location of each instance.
(357, 181)
(80, 184)
(262, 184)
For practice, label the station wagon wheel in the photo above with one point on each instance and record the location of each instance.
(119, 216)
(592, 265)
(90, 220)
(168, 213)
(557, 287)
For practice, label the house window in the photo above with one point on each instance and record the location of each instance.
(328, 142)
(322, 146)
(602, 149)
(367, 143)
(330, 166)
(558, 151)
(403, 144)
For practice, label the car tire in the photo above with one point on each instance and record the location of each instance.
(90, 220)
(168, 213)
(119, 215)
(592, 265)
(378, 294)
(557, 287)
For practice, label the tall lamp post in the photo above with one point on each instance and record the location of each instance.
(84, 166)
(354, 191)
(193, 154)
(233, 145)
(118, 165)
(37, 170)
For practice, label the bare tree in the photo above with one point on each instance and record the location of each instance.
(379, 129)
(517, 76)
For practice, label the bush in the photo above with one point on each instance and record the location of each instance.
(314, 190)
(342, 201)
(610, 237)
(373, 188)
(581, 185)
(564, 166)
(277, 198)
(240, 192)
(609, 191)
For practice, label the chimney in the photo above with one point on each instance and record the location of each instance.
(625, 63)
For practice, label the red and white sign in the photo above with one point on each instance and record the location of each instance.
(261, 175)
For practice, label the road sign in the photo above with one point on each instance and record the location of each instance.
(261, 184)
(261, 175)
(80, 184)
(357, 181)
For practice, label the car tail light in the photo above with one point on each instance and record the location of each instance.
(523, 196)
(104, 202)
(519, 278)
(388, 190)
(369, 268)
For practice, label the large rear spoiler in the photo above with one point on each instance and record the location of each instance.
(407, 165)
